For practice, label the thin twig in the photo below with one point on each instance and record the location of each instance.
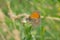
(48, 17)
(53, 18)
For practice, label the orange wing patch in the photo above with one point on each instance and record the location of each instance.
(35, 15)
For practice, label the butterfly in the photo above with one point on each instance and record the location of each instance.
(34, 19)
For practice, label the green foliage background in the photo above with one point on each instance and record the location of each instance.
(49, 29)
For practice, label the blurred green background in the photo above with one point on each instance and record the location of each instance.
(49, 28)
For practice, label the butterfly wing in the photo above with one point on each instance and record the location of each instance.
(34, 18)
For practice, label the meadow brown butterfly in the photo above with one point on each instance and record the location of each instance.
(34, 19)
